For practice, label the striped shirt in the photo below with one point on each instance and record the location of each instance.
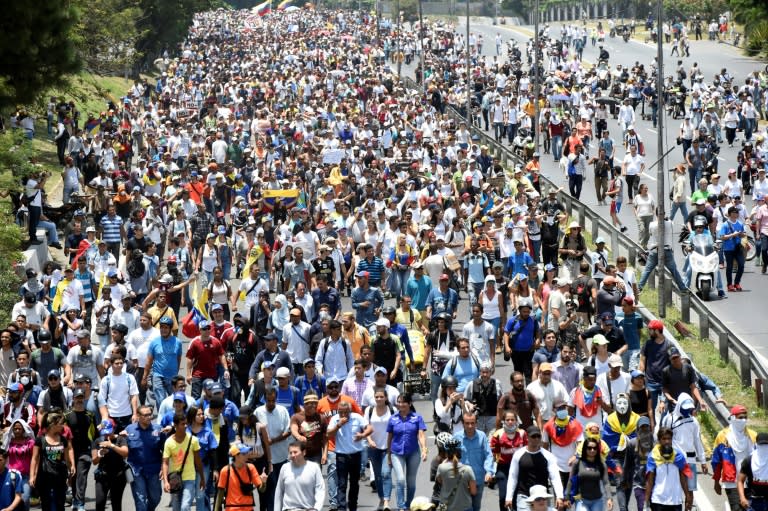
(375, 269)
(111, 228)
(86, 279)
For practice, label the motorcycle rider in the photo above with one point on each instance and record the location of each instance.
(604, 55)
(700, 227)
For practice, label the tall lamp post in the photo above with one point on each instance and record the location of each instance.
(660, 165)
(536, 76)
(469, 80)
(420, 47)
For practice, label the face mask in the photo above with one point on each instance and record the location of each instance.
(510, 429)
(738, 425)
(561, 414)
(622, 406)
(24, 380)
(667, 450)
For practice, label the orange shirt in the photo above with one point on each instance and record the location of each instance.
(233, 494)
(357, 338)
(195, 191)
(327, 409)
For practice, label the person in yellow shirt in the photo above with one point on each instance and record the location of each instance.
(181, 462)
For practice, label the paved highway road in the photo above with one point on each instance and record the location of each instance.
(742, 312)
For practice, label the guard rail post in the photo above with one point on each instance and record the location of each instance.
(582, 210)
(615, 243)
(722, 345)
(685, 309)
(745, 369)
(704, 326)
(595, 230)
(632, 256)
(668, 289)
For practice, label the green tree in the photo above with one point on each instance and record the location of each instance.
(106, 35)
(37, 49)
(16, 161)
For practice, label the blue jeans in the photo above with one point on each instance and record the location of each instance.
(589, 505)
(734, 256)
(146, 491)
(557, 147)
(182, 501)
(398, 282)
(679, 206)
(477, 499)
(655, 390)
(630, 359)
(161, 388)
(404, 469)
(50, 230)
(669, 263)
(381, 472)
(333, 481)
(202, 500)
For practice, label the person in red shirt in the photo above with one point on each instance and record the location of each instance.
(203, 354)
(195, 187)
(504, 442)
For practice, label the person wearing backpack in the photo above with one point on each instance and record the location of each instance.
(576, 170)
(484, 393)
(589, 482)
(119, 393)
(238, 480)
(185, 447)
(584, 291)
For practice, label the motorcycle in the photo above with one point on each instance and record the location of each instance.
(703, 262)
(62, 215)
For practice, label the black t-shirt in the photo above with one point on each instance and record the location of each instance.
(677, 381)
(755, 488)
(52, 456)
(111, 462)
(80, 423)
(533, 470)
(693, 214)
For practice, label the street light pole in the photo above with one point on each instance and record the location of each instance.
(660, 165)
(420, 47)
(469, 80)
(536, 82)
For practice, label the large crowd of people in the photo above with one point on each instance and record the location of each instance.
(194, 340)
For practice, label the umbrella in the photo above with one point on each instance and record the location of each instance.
(605, 100)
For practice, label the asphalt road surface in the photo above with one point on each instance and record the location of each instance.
(742, 312)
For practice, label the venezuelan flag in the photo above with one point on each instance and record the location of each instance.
(288, 198)
(190, 324)
(282, 5)
(263, 8)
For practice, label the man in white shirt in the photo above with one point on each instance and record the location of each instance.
(296, 340)
(73, 295)
(119, 393)
(547, 391)
(615, 381)
(219, 149)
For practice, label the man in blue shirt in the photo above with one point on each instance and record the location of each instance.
(400, 331)
(164, 357)
(520, 260)
(476, 452)
(465, 367)
(349, 429)
(366, 300)
(418, 287)
(145, 457)
(442, 299)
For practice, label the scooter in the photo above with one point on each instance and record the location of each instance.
(704, 264)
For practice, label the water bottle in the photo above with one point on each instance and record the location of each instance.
(226, 380)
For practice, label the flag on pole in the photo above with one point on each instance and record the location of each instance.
(263, 8)
(190, 323)
(282, 5)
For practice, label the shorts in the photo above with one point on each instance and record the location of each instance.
(615, 207)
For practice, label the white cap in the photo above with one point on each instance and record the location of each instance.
(382, 322)
(282, 372)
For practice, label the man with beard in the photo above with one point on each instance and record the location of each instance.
(308, 426)
(632, 460)
(732, 446)
(16, 407)
(240, 347)
(519, 400)
(666, 484)
(566, 370)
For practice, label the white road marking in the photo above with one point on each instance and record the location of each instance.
(652, 130)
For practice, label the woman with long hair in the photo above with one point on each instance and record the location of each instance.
(456, 480)
(493, 304)
(53, 463)
(523, 291)
(449, 407)
(639, 397)
(589, 482)
(208, 257)
(199, 428)
(250, 432)
(406, 437)
(219, 291)
(600, 354)
(378, 417)
(401, 258)
(545, 287)
(108, 455)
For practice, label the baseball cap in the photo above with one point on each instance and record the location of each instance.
(363, 274)
(656, 324)
(599, 339)
(545, 367)
(81, 378)
(239, 448)
(204, 325)
(533, 431)
(615, 361)
(607, 318)
(382, 322)
(216, 307)
(636, 373)
(599, 240)
(308, 361)
(54, 373)
(15, 387)
(82, 334)
(380, 369)
(180, 396)
(283, 372)
(673, 352)
(217, 388)
(628, 300)
(643, 421)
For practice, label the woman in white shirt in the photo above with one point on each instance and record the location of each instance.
(733, 187)
(645, 207)
(378, 419)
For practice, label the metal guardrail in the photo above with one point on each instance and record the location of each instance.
(731, 347)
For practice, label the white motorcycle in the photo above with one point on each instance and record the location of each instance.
(703, 264)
